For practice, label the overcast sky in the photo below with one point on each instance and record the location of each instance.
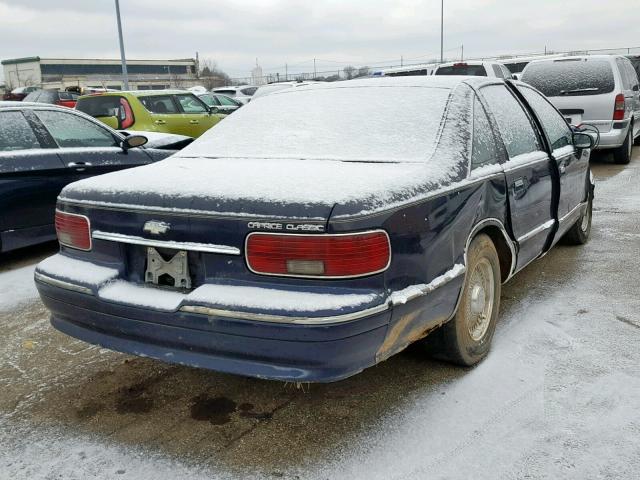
(335, 32)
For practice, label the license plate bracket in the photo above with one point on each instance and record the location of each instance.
(171, 273)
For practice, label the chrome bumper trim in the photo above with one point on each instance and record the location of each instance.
(193, 247)
(262, 317)
(54, 282)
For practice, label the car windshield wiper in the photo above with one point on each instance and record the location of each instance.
(579, 90)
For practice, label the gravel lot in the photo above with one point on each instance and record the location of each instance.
(558, 396)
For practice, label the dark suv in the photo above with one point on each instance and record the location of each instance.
(54, 97)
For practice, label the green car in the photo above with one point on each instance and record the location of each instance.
(165, 111)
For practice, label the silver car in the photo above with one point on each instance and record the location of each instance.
(600, 90)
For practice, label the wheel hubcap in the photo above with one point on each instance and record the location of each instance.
(480, 299)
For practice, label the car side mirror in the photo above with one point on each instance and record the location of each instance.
(583, 140)
(133, 141)
(514, 77)
(213, 110)
(636, 88)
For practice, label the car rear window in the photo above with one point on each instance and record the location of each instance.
(226, 92)
(462, 69)
(570, 77)
(336, 123)
(99, 106)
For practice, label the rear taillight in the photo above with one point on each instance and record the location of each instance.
(619, 107)
(126, 114)
(73, 230)
(323, 256)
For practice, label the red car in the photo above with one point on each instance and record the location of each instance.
(55, 97)
(18, 94)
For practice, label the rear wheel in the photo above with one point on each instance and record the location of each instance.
(580, 231)
(466, 339)
(622, 155)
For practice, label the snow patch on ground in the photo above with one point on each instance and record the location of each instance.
(17, 287)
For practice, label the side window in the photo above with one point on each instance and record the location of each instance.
(162, 104)
(515, 127)
(624, 74)
(222, 100)
(554, 124)
(484, 143)
(69, 130)
(498, 71)
(16, 133)
(191, 104)
(633, 75)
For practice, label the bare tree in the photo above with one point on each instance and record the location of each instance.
(349, 71)
(211, 76)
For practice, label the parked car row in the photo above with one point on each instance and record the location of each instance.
(326, 241)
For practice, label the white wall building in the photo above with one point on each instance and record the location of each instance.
(106, 73)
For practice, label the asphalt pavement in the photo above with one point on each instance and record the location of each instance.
(558, 397)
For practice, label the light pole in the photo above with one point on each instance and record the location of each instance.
(125, 75)
(441, 31)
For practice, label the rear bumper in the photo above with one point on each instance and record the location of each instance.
(615, 137)
(277, 351)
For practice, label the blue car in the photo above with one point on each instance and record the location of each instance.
(362, 217)
(42, 149)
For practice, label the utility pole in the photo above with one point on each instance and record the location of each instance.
(462, 54)
(401, 60)
(125, 75)
(286, 72)
(442, 31)
(314, 69)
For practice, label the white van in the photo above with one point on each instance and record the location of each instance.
(600, 90)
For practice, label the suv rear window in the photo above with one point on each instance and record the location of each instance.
(462, 69)
(570, 77)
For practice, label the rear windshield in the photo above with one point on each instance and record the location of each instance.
(226, 92)
(570, 77)
(99, 106)
(474, 70)
(393, 124)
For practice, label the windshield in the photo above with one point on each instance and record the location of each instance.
(570, 77)
(377, 124)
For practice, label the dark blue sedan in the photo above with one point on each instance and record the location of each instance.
(362, 217)
(42, 149)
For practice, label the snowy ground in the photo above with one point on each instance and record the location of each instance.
(558, 397)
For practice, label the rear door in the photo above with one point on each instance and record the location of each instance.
(529, 173)
(86, 147)
(165, 114)
(196, 114)
(31, 176)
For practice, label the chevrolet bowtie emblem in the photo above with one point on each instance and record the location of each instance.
(156, 228)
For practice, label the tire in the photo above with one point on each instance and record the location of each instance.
(466, 339)
(579, 233)
(622, 155)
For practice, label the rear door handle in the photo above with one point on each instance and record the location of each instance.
(194, 122)
(160, 122)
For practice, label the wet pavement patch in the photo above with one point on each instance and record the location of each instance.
(133, 400)
(89, 410)
(215, 410)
